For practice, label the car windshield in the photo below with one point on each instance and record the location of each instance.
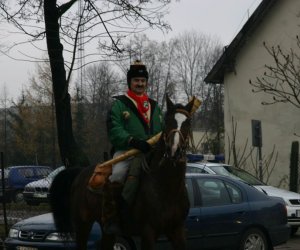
(237, 174)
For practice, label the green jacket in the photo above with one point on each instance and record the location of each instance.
(124, 122)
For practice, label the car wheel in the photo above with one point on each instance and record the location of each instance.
(18, 196)
(294, 230)
(122, 244)
(253, 239)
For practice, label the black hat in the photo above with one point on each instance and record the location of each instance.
(137, 69)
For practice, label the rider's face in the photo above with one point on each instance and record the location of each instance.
(138, 85)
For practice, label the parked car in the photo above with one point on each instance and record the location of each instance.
(19, 176)
(291, 199)
(225, 213)
(39, 232)
(37, 192)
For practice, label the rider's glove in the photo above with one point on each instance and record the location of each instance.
(140, 145)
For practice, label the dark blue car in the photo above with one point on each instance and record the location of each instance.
(231, 214)
(225, 213)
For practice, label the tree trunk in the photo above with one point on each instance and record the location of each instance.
(71, 154)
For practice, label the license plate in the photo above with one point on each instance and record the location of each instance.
(297, 213)
(26, 248)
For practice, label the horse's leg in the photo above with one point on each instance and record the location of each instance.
(82, 230)
(148, 238)
(177, 238)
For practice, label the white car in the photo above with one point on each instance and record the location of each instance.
(37, 192)
(292, 199)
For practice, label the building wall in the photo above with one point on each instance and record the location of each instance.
(279, 121)
(200, 139)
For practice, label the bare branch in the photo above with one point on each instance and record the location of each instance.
(281, 80)
(65, 7)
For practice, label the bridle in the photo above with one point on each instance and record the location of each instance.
(185, 141)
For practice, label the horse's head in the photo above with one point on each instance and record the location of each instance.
(177, 128)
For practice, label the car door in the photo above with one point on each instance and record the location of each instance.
(223, 212)
(193, 232)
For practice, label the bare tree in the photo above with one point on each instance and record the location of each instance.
(40, 95)
(194, 55)
(240, 157)
(159, 57)
(32, 121)
(211, 117)
(281, 80)
(40, 90)
(101, 83)
(61, 25)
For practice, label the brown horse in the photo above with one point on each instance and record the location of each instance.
(161, 205)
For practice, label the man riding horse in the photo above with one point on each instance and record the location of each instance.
(158, 204)
(132, 120)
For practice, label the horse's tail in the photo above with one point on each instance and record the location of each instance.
(60, 192)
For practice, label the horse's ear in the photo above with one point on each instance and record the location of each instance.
(170, 104)
(189, 106)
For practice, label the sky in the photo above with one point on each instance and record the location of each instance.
(220, 18)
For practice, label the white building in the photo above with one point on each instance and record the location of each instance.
(276, 22)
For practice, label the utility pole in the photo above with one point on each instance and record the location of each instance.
(81, 52)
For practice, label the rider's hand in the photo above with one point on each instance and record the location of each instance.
(140, 145)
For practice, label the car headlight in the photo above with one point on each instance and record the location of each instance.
(13, 233)
(59, 237)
